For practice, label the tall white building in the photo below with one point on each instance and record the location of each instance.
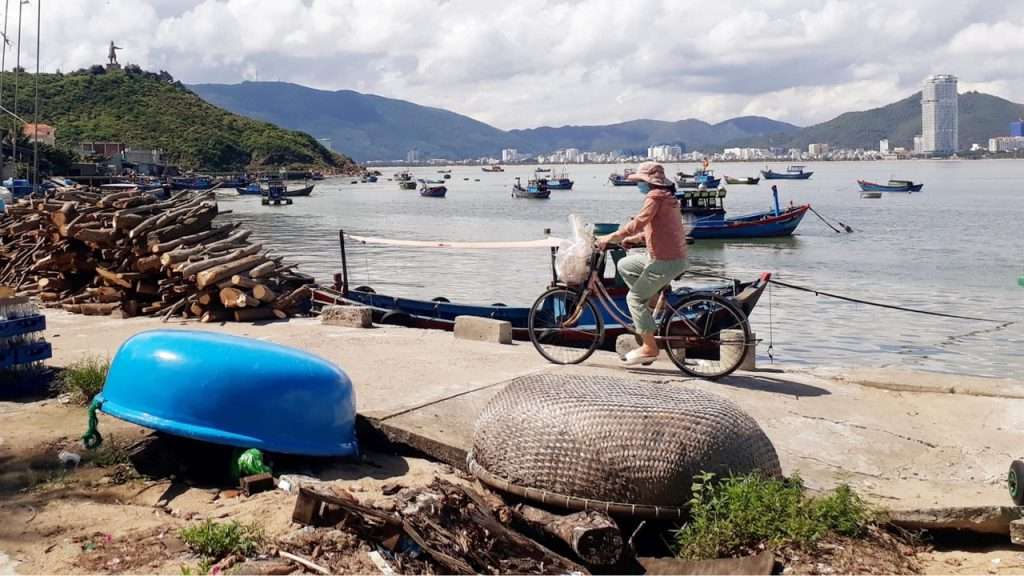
(509, 155)
(939, 115)
(817, 150)
(883, 145)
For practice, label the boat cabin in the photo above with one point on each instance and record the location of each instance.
(702, 203)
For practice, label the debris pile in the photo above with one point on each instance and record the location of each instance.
(134, 255)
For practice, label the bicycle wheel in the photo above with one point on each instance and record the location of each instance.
(561, 333)
(706, 336)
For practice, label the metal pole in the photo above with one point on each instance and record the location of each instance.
(17, 73)
(35, 104)
(3, 72)
(344, 264)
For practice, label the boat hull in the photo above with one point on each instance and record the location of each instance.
(531, 194)
(559, 184)
(304, 191)
(866, 186)
(770, 175)
(234, 391)
(433, 192)
(759, 225)
(255, 191)
(739, 181)
(622, 182)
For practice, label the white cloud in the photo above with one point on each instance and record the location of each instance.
(534, 62)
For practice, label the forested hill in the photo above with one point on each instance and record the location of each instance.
(145, 110)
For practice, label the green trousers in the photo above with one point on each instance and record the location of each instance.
(645, 277)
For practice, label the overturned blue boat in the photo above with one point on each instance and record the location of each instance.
(234, 391)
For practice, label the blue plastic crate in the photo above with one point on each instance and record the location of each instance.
(32, 352)
(7, 357)
(26, 325)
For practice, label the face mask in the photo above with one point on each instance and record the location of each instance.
(643, 187)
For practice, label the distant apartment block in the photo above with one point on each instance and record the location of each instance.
(918, 144)
(412, 156)
(509, 155)
(940, 115)
(883, 145)
(665, 153)
(817, 150)
(1006, 144)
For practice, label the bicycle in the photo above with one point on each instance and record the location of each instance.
(704, 334)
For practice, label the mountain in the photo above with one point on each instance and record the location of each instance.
(376, 128)
(982, 116)
(147, 110)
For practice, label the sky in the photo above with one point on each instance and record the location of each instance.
(528, 63)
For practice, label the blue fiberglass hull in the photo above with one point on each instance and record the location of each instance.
(234, 391)
(760, 225)
(559, 183)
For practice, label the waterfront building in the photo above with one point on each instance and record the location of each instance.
(883, 146)
(817, 150)
(43, 133)
(665, 153)
(509, 155)
(413, 156)
(918, 144)
(939, 115)
(1006, 144)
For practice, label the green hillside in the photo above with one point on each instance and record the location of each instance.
(981, 117)
(146, 110)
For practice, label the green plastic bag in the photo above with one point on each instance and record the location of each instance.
(248, 463)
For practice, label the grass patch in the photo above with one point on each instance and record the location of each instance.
(84, 378)
(215, 540)
(740, 515)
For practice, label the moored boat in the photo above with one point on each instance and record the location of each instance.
(542, 170)
(252, 189)
(621, 179)
(303, 191)
(407, 185)
(432, 189)
(870, 194)
(197, 182)
(794, 172)
(705, 212)
(494, 168)
(892, 186)
(276, 193)
(701, 177)
(559, 181)
(535, 189)
(748, 180)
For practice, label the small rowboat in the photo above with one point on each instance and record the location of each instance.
(791, 173)
(747, 180)
(892, 186)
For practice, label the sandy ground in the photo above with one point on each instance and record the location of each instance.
(902, 439)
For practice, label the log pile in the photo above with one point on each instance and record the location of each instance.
(130, 254)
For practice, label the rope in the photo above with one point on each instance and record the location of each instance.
(771, 328)
(822, 218)
(92, 437)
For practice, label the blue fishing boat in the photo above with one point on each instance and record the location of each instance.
(892, 186)
(535, 189)
(18, 187)
(701, 177)
(705, 213)
(558, 181)
(252, 189)
(235, 391)
(792, 173)
(197, 182)
(621, 179)
(276, 194)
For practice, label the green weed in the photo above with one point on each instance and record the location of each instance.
(84, 378)
(739, 515)
(215, 540)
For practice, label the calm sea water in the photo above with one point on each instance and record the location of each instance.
(957, 247)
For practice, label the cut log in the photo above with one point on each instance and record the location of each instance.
(218, 273)
(92, 309)
(293, 299)
(232, 298)
(148, 264)
(51, 284)
(215, 315)
(105, 294)
(263, 293)
(592, 535)
(263, 270)
(243, 281)
(113, 277)
(195, 268)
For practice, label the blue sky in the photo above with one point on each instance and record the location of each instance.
(527, 63)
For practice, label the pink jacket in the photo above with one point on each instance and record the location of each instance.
(660, 224)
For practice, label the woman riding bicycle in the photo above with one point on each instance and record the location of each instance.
(659, 225)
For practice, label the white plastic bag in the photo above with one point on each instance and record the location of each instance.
(573, 259)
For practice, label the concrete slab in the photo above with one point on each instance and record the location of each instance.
(483, 329)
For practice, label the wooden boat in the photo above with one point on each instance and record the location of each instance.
(701, 177)
(792, 173)
(440, 313)
(892, 186)
(432, 189)
(192, 183)
(542, 170)
(870, 194)
(747, 180)
(621, 179)
(304, 191)
(494, 168)
(253, 189)
(705, 212)
(535, 189)
(407, 185)
(445, 171)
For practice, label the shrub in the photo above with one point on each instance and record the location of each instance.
(739, 515)
(215, 540)
(84, 378)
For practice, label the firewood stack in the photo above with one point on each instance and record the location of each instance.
(130, 254)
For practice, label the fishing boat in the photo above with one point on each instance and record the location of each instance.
(705, 212)
(407, 184)
(303, 191)
(18, 187)
(541, 170)
(494, 168)
(196, 182)
(316, 176)
(433, 189)
(559, 181)
(870, 194)
(252, 189)
(892, 186)
(535, 189)
(792, 173)
(368, 179)
(440, 313)
(621, 179)
(276, 194)
(748, 180)
(701, 177)
(445, 171)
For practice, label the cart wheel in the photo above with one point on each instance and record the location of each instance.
(397, 319)
(440, 299)
(366, 289)
(1015, 482)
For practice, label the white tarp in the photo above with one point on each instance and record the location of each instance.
(549, 242)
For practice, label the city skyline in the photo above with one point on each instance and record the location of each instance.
(800, 61)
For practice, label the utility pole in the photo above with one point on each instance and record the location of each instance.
(35, 104)
(3, 72)
(17, 73)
